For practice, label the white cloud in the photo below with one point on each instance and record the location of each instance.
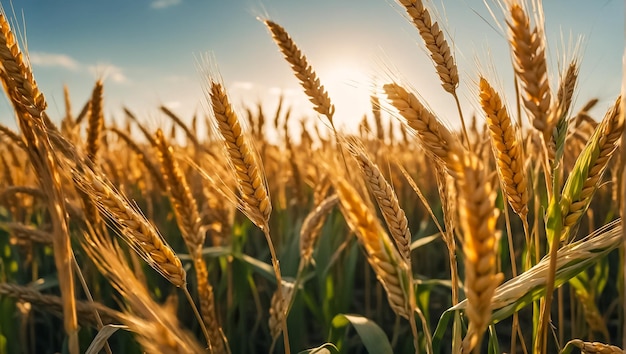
(54, 60)
(161, 4)
(64, 61)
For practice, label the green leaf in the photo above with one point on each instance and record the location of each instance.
(372, 336)
(572, 259)
(494, 345)
(442, 325)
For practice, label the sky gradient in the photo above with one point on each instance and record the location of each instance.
(148, 52)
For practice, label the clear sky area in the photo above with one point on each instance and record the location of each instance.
(148, 51)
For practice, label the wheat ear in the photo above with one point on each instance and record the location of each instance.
(477, 218)
(251, 185)
(303, 71)
(436, 43)
(589, 168)
(387, 201)
(312, 225)
(567, 86)
(29, 103)
(188, 219)
(279, 306)
(96, 121)
(183, 202)
(133, 227)
(207, 308)
(381, 253)
(529, 62)
(436, 139)
(507, 149)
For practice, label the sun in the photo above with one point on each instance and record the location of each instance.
(349, 86)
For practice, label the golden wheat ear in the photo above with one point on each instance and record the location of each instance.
(29, 104)
(477, 220)
(132, 226)
(250, 180)
(303, 71)
(381, 253)
(507, 149)
(435, 138)
(529, 61)
(185, 206)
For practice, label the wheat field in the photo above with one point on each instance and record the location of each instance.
(502, 235)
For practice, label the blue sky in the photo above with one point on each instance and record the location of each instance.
(148, 51)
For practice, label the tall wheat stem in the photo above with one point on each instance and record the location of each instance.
(279, 282)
